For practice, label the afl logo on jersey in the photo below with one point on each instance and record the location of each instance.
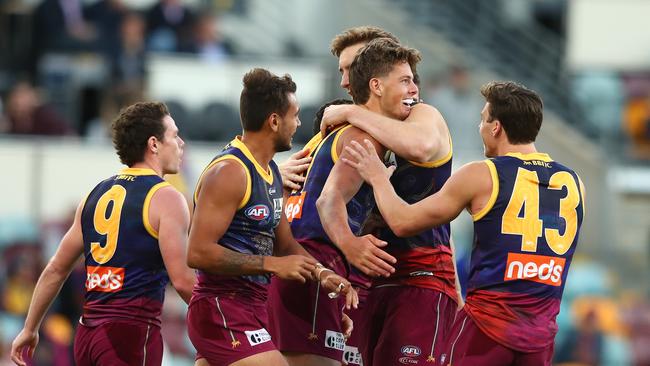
(411, 351)
(258, 212)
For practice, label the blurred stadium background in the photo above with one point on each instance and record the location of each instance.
(67, 66)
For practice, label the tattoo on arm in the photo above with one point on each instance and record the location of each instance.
(234, 263)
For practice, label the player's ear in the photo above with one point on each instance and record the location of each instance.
(375, 86)
(274, 122)
(497, 128)
(152, 144)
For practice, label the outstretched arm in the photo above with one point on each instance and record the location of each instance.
(422, 137)
(342, 184)
(438, 209)
(222, 189)
(48, 286)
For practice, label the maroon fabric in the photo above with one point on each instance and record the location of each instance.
(467, 345)
(405, 325)
(293, 324)
(352, 352)
(227, 329)
(519, 321)
(426, 267)
(132, 309)
(118, 343)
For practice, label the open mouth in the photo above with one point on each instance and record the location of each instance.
(410, 102)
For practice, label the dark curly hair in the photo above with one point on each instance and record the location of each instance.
(264, 93)
(133, 127)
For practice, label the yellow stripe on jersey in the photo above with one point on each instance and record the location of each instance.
(266, 175)
(531, 156)
(247, 195)
(495, 192)
(335, 155)
(313, 143)
(145, 208)
(439, 162)
(321, 141)
(137, 171)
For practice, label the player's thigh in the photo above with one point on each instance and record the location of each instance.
(540, 358)
(201, 362)
(118, 343)
(270, 358)
(301, 359)
(413, 326)
(225, 331)
(467, 345)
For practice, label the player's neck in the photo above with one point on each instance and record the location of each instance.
(260, 146)
(372, 105)
(521, 149)
(146, 164)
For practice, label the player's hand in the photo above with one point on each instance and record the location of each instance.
(25, 340)
(292, 170)
(365, 253)
(333, 116)
(292, 267)
(337, 285)
(348, 326)
(366, 161)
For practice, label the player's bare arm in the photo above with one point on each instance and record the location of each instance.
(285, 244)
(342, 184)
(170, 216)
(422, 137)
(292, 170)
(222, 190)
(48, 286)
(440, 208)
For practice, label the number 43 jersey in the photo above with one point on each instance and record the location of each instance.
(524, 240)
(125, 272)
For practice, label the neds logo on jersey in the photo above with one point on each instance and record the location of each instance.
(104, 279)
(258, 212)
(536, 268)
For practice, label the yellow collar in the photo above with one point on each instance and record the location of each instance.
(531, 156)
(266, 175)
(137, 171)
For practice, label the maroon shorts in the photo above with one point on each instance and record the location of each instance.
(352, 352)
(405, 325)
(225, 329)
(467, 345)
(118, 343)
(303, 319)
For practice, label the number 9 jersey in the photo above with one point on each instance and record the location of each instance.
(524, 240)
(125, 272)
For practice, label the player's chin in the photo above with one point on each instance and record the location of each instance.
(284, 146)
(404, 112)
(177, 166)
